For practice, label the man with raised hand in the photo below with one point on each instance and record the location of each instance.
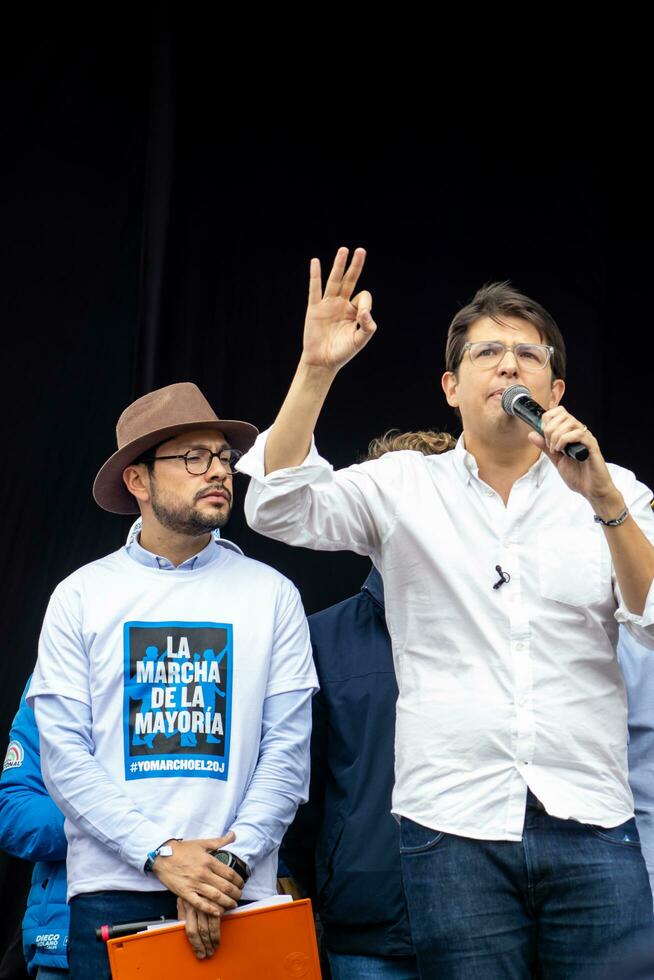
(507, 567)
(172, 692)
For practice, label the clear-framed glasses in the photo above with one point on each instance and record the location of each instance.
(489, 353)
(198, 461)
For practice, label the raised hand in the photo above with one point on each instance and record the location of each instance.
(337, 325)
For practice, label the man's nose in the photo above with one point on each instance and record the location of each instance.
(508, 363)
(217, 470)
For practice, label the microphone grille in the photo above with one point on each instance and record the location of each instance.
(510, 395)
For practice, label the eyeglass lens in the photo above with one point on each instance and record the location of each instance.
(531, 357)
(198, 461)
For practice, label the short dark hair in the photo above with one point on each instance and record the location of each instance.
(497, 299)
(147, 457)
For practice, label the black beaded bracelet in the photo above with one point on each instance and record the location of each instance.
(616, 522)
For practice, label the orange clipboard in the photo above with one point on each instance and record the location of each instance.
(275, 943)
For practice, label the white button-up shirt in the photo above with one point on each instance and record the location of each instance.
(499, 689)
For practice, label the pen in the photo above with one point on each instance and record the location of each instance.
(105, 932)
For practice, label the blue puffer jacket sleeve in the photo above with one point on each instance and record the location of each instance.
(32, 828)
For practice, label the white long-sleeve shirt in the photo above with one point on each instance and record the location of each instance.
(173, 702)
(499, 689)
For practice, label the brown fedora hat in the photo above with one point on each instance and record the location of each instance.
(150, 420)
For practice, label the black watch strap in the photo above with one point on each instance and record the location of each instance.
(232, 861)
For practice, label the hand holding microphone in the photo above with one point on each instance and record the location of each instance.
(593, 480)
(517, 401)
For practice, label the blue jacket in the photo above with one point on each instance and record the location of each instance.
(32, 828)
(343, 846)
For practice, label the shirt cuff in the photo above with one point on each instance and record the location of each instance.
(247, 846)
(645, 621)
(252, 464)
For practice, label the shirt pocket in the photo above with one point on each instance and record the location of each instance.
(573, 566)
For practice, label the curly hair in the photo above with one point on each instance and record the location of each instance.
(427, 442)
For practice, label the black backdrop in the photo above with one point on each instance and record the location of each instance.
(157, 226)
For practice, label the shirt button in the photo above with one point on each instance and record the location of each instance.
(520, 647)
(490, 493)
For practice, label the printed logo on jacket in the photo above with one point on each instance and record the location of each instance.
(14, 757)
(178, 691)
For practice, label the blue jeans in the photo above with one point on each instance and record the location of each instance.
(562, 904)
(88, 958)
(51, 973)
(346, 967)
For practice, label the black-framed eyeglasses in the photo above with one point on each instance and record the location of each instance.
(198, 461)
(489, 353)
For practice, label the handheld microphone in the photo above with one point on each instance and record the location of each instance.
(517, 401)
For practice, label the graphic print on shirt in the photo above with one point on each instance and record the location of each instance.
(177, 702)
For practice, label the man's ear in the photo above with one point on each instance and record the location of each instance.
(449, 383)
(137, 481)
(558, 388)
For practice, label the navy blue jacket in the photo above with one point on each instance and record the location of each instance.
(343, 847)
(32, 828)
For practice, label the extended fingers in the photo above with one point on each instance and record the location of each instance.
(333, 284)
(315, 282)
(351, 277)
(340, 282)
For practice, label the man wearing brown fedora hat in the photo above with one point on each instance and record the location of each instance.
(172, 692)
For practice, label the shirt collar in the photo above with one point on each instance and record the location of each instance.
(466, 464)
(375, 586)
(150, 560)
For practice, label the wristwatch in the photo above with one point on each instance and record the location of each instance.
(231, 861)
(164, 851)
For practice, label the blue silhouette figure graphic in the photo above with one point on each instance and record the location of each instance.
(143, 693)
(210, 688)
